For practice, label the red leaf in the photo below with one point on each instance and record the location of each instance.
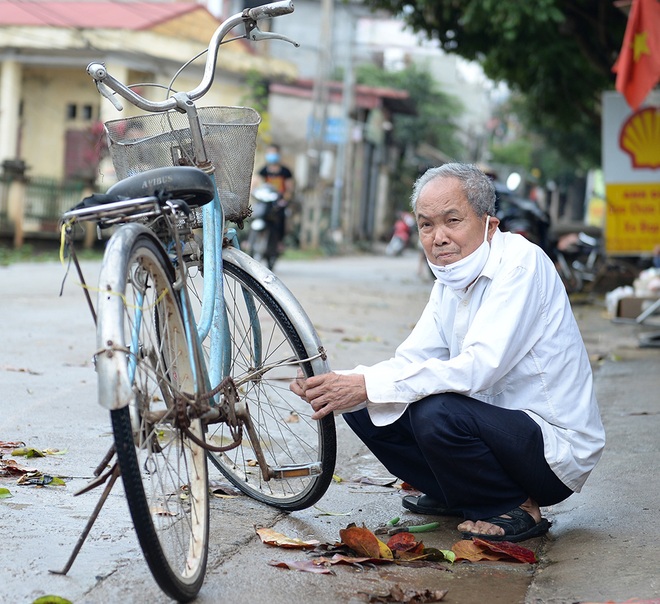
(402, 542)
(512, 550)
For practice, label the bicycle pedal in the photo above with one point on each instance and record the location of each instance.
(296, 471)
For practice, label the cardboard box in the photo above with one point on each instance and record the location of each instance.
(632, 307)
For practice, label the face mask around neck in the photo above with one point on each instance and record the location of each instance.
(462, 273)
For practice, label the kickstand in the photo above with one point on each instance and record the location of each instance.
(110, 476)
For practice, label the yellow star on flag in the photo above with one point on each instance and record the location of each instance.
(640, 45)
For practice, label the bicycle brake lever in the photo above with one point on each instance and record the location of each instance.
(108, 94)
(256, 35)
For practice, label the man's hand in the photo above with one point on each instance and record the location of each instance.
(330, 392)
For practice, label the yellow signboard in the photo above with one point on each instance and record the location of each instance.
(631, 169)
(633, 217)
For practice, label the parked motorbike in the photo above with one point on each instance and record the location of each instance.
(522, 216)
(578, 257)
(266, 225)
(401, 235)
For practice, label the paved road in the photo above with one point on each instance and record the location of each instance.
(362, 307)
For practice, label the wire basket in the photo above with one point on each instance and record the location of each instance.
(163, 139)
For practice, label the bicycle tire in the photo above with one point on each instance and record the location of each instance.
(164, 471)
(292, 442)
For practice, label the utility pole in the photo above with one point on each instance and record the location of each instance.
(312, 206)
(339, 192)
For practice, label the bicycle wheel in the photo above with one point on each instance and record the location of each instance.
(163, 470)
(299, 453)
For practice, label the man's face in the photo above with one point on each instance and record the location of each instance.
(449, 229)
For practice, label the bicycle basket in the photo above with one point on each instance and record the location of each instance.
(163, 139)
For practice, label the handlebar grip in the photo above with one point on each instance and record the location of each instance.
(267, 11)
(97, 71)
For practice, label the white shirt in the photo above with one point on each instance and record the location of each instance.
(510, 340)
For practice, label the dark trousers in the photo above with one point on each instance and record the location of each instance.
(472, 457)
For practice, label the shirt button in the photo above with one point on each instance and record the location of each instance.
(464, 303)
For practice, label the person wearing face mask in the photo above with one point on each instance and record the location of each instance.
(280, 177)
(277, 174)
(488, 407)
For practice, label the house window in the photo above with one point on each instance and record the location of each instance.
(79, 112)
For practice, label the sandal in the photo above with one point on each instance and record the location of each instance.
(519, 526)
(423, 504)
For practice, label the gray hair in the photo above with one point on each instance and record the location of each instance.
(477, 186)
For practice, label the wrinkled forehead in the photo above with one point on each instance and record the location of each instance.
(444, 194)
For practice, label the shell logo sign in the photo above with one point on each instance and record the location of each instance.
(640, 138)
(631, 171)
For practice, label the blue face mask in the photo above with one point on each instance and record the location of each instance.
(272, 158)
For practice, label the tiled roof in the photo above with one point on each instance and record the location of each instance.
(92, 14)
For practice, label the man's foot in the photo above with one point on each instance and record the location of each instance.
(519, 524)
(423, 504)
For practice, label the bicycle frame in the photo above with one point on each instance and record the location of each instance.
(214, 322)
(183, 371)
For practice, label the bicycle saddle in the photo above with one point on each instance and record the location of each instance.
(190, 184)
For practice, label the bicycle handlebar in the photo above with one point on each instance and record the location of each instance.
(268, 11)
(248, 17)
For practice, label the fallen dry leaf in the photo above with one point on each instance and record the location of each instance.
(379, 481)
(510, 549)
(362, 541)
(28, 452)
(409, 596)
(307, 566)
(467, 549)
(323, 512)
(480, 549)
(404, 542)
(10, 467)
(22, 370)
(271, 537)
(9, 445)
(38, 479)
(223, 490)
(359, 560)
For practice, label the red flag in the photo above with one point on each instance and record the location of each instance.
(638, 66)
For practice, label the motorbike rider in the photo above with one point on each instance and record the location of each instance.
(281, 178)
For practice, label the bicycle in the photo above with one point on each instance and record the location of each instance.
(196, 341)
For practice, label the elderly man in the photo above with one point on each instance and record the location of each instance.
(488, 406)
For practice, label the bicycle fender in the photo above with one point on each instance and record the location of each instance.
(285, 299)
(111, 363)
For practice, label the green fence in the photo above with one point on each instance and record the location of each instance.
(45, 201)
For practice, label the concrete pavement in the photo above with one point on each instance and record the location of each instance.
(601, 548)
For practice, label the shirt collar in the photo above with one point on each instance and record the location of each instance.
(495, 256)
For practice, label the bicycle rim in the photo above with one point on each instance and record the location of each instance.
(299, 452)
(164, 471)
